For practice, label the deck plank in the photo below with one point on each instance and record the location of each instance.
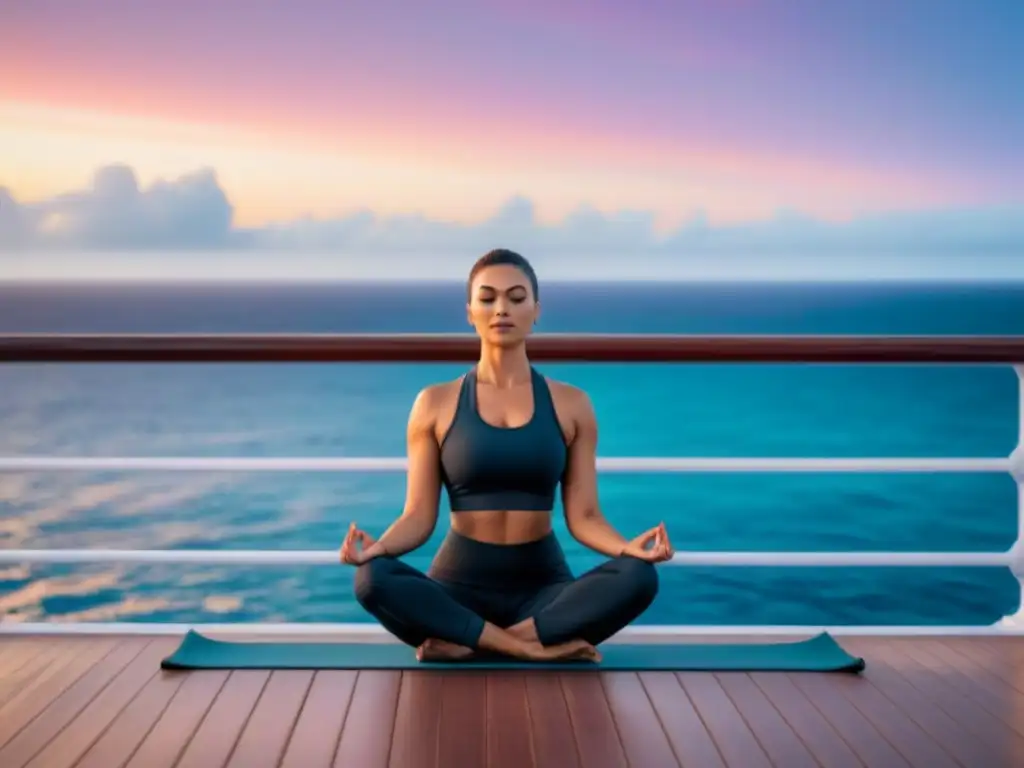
(269, 728)
(414, 741)
(368, 731)
(215, 738)
(691, 741)
(946, 695)
(59, 675)
(820, 737)
(597, 736)
(509, 735)
(161, 747)
(887, 674)
(913, 742)
(90, 723)
(60, 711)
(985, 690)
(117, 745)
(462, 730)
(869, 744)
(781, 743)
(19, 668)
(314, 739)
(1007, 650)
(736, 742)
(20, 662)
(643, 738)
(994, 656)
(103, 702)
(990, 662)
(554, 741)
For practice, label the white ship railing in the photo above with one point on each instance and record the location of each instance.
(668, 348)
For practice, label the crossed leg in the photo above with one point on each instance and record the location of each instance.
(413, 607)
(592, 607)
(441, 618)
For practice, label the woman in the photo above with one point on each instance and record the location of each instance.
(501, 438)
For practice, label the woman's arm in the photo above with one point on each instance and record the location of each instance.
(579, 486)
(423, 484)
(579, 497)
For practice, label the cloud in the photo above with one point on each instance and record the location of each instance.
(114, 213)
(12, 227)
(193, 214)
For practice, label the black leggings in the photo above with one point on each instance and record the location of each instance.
(471, 582)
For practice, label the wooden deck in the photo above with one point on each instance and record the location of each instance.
(103, 702)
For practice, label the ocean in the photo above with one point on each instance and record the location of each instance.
(311, 410)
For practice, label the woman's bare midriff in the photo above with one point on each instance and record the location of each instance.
(502, 526)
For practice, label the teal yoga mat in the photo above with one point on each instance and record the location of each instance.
(817, 654)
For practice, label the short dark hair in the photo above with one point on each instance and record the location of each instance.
(503, 256)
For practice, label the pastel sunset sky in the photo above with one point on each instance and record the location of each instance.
(634, 138)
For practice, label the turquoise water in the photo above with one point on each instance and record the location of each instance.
(644, 410)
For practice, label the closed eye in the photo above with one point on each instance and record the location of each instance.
(516, 295)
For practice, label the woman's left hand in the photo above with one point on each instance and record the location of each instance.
(353, 548)
(660, 546)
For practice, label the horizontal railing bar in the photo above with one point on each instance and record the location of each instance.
(139, 348)
(374, 633)
(399, 464)
(328, 557)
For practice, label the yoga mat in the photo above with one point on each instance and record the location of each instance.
(817, 654)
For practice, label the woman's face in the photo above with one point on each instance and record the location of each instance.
(502, 307)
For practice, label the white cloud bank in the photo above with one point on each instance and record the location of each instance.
(192, 214)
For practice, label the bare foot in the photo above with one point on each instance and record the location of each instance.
(572, 650)
(524, 630)
(441, 650)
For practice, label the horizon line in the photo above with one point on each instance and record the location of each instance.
(559, 281)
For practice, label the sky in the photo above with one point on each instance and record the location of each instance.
(672, 139)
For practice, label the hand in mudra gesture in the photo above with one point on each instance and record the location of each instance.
(657, 539)
(353, 548)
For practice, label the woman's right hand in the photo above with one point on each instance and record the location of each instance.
(354, 548)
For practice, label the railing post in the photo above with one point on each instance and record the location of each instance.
(1016, 619)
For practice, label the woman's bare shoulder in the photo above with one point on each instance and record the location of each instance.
(433, 394)
(573, 409)
(436, 402)
(570, 396)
